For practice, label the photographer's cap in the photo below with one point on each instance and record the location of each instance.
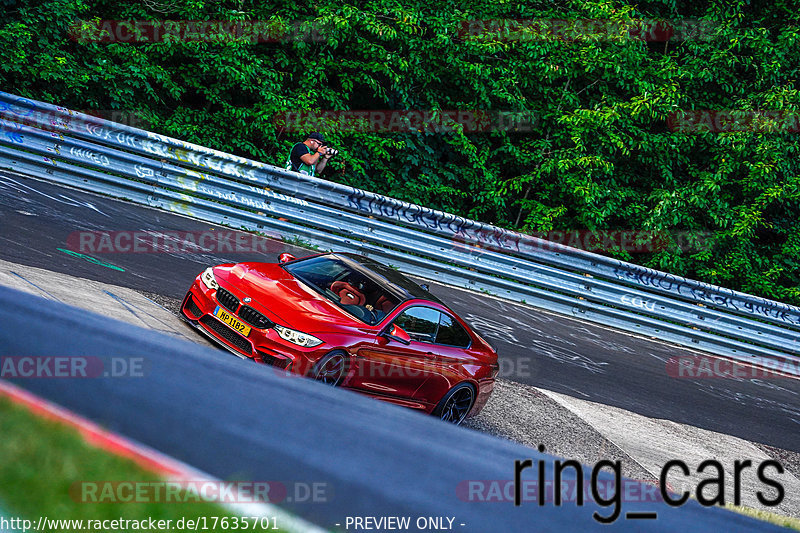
(316, 136)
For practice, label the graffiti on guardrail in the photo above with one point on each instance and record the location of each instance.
(466, 231)
(706, 293)
(94, 157)
(21, 107)
(13, 132)
(143, 171)
(768, 308)
(638, 301)
(59, 119)
(233, 197)
(159, 145)
(108, 134)
(403, 212)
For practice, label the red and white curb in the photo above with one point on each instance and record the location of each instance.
(171, 469)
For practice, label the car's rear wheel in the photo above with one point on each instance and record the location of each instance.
(331, 369)
(456, 404)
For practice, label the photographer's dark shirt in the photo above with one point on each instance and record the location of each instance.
(295, 163)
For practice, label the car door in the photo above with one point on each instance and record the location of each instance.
(391, 368)
(450, 345)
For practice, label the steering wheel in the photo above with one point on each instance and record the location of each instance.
(361, 312)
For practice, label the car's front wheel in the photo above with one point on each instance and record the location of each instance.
(456, 404)
(331, 369)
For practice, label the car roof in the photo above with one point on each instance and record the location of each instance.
(390, 278)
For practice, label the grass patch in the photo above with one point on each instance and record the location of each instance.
(43, 462)
(767, 516)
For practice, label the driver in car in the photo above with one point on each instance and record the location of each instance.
(353, 292)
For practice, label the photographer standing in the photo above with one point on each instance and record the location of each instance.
(310, 156)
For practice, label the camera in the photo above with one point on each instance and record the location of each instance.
(330, 152)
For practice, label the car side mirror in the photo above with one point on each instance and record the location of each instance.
(397, 334)
(286, 257)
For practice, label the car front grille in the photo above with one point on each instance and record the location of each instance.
(227, 333)
(228, 300)
(253, 317)
(192, 307)
(279, 362)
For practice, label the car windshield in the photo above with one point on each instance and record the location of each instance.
(355, 288)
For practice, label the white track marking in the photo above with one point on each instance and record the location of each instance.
(651, 442)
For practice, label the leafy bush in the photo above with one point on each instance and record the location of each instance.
(602, 154)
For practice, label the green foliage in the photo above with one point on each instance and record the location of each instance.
(601, 156)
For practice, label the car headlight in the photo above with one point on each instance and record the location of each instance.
(297, 337)
(208, 278)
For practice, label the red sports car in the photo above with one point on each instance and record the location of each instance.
(347, 320)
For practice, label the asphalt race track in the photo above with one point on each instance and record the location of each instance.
(557, 354)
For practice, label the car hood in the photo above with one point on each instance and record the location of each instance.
(283, 298)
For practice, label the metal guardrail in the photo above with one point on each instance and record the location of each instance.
(64, 146)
